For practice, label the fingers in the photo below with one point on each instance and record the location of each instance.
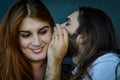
(59, 43)
(62, 34)
(55, 34)
(66, 38)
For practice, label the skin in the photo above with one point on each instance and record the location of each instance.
(60, 37)
(34, 38)
(71, 25)
(55, 60)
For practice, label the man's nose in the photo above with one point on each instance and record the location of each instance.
(62, 25)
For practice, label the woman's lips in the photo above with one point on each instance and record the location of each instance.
(37, 51)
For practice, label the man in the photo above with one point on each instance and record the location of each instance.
(92, 47)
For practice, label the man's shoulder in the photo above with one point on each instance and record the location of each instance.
(66, 71)
(108, 57)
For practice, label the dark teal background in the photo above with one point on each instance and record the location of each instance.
(60, 9)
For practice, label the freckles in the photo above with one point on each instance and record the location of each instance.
(47, 38)
(23, 43)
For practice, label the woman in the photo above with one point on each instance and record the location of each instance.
(25, 33)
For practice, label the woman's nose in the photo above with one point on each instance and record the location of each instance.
(36, 40)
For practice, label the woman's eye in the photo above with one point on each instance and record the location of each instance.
(43, 32)
(25, 35)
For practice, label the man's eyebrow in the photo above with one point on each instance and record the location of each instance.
(68, 19)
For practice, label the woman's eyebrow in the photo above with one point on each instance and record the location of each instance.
(27, 31)
(24, 31)
(44, 27)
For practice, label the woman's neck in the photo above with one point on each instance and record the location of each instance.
(39, 69)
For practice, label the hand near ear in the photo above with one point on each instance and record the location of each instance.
(59, 44)
(56, 52)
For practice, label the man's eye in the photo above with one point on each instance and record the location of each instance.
(43, 32)
(67, 24)
(68, 21)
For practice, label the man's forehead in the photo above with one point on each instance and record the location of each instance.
(74, 14)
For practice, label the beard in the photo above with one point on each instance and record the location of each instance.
(72, 48)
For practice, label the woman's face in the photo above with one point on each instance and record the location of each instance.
(34, 38)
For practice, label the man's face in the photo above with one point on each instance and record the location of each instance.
(71, 25)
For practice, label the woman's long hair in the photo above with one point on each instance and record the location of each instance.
(13, 65)
(101, 38)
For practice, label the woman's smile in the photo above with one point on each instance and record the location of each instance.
(37, 51)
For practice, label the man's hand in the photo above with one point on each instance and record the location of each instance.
(59, 44)
(56, 52)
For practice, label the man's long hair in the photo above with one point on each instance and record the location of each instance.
(101, 38)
